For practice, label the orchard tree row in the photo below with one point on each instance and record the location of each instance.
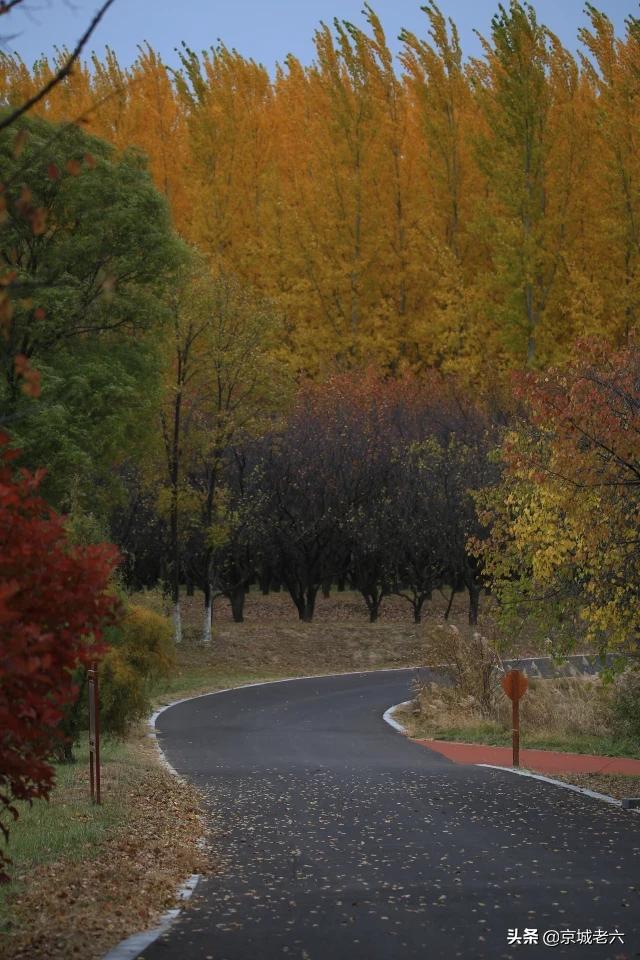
(364, 481)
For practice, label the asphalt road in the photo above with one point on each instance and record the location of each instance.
(342, 840)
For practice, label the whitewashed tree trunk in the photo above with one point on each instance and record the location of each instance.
(208, 615)
(177, 623)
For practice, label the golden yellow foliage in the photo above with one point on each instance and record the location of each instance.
(431, 215)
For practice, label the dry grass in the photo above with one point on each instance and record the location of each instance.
(567, 714)
(274, 643)
(564, 714)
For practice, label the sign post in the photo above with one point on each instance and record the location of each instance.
(514, 683)
(94, 733)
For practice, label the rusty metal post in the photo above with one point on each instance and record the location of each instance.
(515, 723)
(92, 782)
(94, 733)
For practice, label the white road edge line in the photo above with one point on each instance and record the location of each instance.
(388, 716)
(130, 948)
(558, 783)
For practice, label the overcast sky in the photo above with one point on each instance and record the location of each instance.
(263, 29)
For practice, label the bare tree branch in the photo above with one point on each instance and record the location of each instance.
(6, 6)
(63, 72)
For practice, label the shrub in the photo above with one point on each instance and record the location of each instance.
(473, 662)
(474, 696)
(141, 650)
(625, 704)
(53, 601)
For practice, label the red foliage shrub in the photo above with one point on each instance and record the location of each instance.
(53, 607)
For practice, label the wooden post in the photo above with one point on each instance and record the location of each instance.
(515, 686)
(94, 733)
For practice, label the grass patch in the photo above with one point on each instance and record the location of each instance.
(198, 675)
(68, 825)
(272, 643)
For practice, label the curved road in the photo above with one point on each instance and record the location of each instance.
(342, 840)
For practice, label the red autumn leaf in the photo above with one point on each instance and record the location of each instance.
(39, 221)
(20, 364)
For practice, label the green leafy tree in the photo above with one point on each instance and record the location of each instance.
(88, 252)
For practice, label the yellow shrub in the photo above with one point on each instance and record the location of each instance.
(141, 649)
(148, 640)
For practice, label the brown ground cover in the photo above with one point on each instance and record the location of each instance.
(80, 904)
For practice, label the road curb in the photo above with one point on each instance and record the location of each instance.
(558, 783)
(132, 946)
(387, 716)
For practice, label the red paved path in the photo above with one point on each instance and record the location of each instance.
(545, 761)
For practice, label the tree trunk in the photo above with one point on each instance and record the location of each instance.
(326, 589)
(208, 612)
(373, 602)
(177, 622)
(264, 580)
(309, 604)
(173, 520)
(304, 599)
(474, 604)
(237, 598)
(450, 604)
